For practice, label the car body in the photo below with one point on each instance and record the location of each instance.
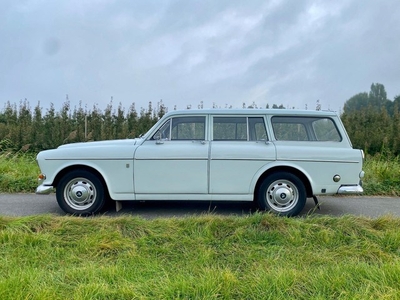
(275, 157)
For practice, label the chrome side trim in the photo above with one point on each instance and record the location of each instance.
(321, 160)
(88, 158)
(44, 189)
(350, 189)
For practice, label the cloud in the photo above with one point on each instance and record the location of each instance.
(184, 52)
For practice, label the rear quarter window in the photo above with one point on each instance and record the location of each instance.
(288, 128)
(325, 130)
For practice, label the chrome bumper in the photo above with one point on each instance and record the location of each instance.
(44, 189)
(350, 189)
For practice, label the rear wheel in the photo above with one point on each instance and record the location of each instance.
(80, 192)
(282, 193)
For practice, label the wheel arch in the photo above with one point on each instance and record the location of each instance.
(298, 173)
(92, 170)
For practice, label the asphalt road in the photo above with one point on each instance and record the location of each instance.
(31, 204)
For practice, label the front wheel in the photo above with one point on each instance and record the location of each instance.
(282, 193)
(80, 192)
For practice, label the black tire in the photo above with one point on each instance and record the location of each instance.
(282, 193)
(80, 192)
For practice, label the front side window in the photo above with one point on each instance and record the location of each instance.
(182, 128)
(287, 128)
(239, 129)
(164, 133)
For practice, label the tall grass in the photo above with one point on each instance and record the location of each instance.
(18, 172)
(382, 175)
(208, 257)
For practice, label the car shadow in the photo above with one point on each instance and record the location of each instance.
(168, 209)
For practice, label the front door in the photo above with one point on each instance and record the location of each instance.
(175, 159)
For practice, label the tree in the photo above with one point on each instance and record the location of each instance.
(162, 109)
(377, 93)
(395, 138)
(356, 102)
(120, 130)
(396, 101)
(37, 127)
(375, 99)
(49, 125)
(64, 123)
(132, 117)
(146, 119)
(79, 115)
(9, 133)
(107, 129)
(24, 124)
(95, 124)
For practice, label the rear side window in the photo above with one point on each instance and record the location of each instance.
(230, 129)
(239, 129)
(287, 128)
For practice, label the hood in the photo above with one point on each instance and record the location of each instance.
(107, 143)
(111, 149)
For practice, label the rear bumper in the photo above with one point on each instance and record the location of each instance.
(350, 189)
(44, 189)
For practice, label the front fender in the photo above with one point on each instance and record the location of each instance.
(117, 174)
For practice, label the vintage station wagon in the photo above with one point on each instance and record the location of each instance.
(277, 158)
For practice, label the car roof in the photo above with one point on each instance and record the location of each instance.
(249, 111)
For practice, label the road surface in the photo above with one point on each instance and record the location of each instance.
(31, 204)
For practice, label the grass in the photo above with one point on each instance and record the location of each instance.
(382, 175)
(208, 257)
(19, 171)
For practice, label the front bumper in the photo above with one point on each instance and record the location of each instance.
(44, 189)
(350, 189)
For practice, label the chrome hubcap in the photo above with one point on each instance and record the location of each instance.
(282, 195)
(80, 193)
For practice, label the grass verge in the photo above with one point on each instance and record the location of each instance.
(382, 175)
(208, 257)
(18, 172)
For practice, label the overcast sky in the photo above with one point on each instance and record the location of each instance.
(185, 52)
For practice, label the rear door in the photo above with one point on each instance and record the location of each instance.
(239, 148)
